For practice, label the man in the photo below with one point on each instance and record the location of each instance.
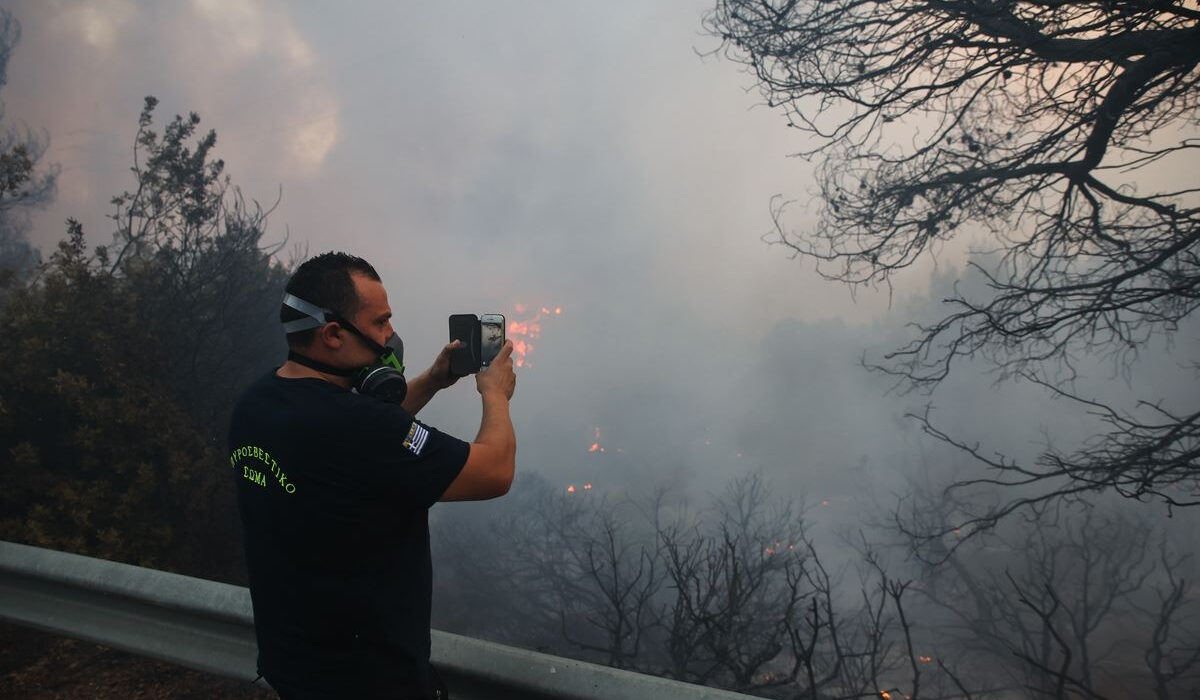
(334, 487)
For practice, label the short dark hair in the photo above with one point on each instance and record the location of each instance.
(326, 281)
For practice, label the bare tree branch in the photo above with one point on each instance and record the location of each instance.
(1038, 122)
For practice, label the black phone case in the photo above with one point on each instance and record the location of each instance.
(465, 360)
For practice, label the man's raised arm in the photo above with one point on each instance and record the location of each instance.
(491, 463)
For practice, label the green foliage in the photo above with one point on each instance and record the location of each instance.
(92, 446)
(25, 181)
(15, 168)
(122, 368)
(180, 196)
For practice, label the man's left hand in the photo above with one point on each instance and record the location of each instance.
(439, 373)
(423, 386)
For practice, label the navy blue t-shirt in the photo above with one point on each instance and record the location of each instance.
(334, 490)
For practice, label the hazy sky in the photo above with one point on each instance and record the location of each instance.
(480, 153)
(586, 156)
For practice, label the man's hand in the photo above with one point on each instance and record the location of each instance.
(423, 386)
(499, 376)
(492, 460)
(439, 373)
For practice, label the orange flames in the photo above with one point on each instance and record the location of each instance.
(522, 332)
(596, 446)
(571, 488)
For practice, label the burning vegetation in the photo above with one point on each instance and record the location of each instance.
(523, 331)
(596, 446)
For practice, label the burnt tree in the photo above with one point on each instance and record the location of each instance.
(1065, 131)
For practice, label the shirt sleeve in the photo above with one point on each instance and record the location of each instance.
(410, 461)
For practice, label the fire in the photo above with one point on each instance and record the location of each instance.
(571, 488)
(925, 659)
(522, 332)
(587, 486)
(596, 446)
(885, 695)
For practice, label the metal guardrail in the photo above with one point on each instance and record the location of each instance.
(209, 626)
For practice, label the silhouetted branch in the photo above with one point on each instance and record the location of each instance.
(929, 119)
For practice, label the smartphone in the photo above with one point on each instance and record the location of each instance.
(465, 359)
(491, 337)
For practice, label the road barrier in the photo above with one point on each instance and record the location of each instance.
(209, 626)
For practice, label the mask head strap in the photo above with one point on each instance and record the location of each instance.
(321, 366)
(315, 316)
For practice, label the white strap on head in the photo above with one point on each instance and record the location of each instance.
(317, 316)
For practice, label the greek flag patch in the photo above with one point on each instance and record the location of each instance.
(417, 435)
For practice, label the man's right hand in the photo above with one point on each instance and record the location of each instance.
(499, 375)
(491, 462)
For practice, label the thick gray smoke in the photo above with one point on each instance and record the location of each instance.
(589, 158)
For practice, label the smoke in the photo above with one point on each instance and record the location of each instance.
(590, 158)
(605, 165)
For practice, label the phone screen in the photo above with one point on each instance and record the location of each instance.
(491, 337)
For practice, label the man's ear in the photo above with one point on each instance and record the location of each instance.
(330, 335)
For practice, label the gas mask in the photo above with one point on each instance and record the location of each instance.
(383, 379)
